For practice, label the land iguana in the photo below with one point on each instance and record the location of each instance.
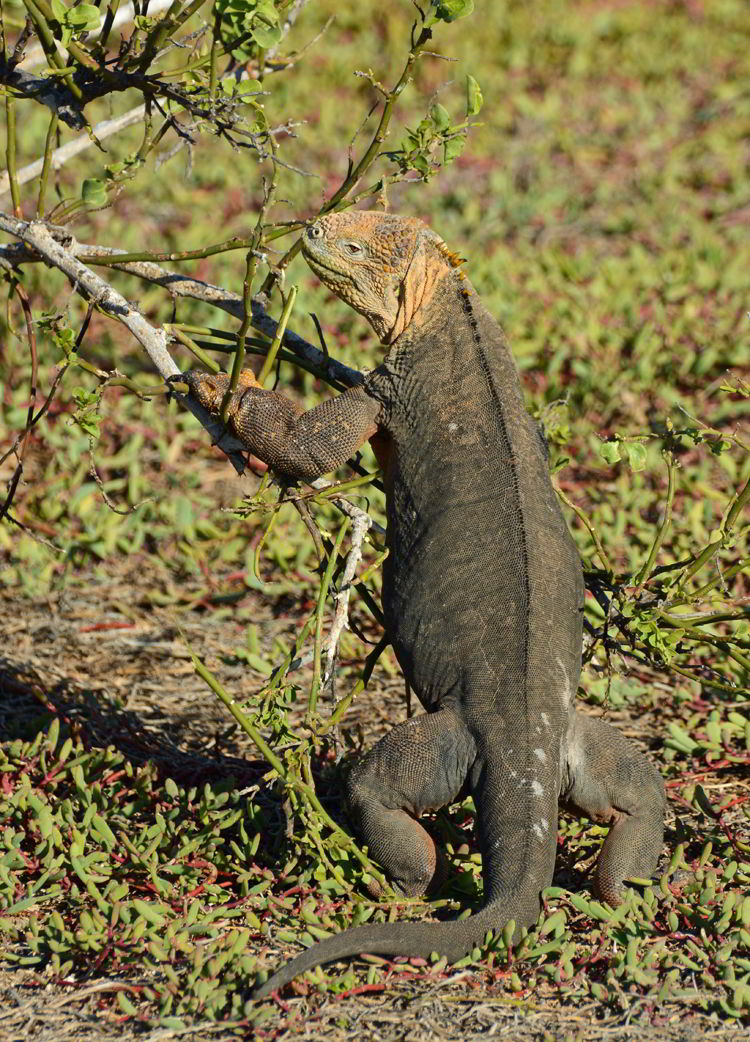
(482, 596)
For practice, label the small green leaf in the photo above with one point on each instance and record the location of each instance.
(439, 116)
(474, 99)
(94, 192)
(59, 10)
(610, 451)
(84, 16)
(453, 148)
(636, 453)
(451, 10)
(266, 35)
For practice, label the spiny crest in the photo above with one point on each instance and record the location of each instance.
(454, 259)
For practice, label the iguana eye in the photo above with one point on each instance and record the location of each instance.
(352, 247)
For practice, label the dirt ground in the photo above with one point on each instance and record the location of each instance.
(106, 658)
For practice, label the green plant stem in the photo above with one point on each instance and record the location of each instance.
(191, 345)
(220, 334)
(292, 782)
(175, 17)
(736, 505)
(251, 264)
(215, 47)
(707, 618)
(109, 260)
(250, 269)
(74, 50)
(325, 582)
(264, 539)
(645, 572)
(10, 152)
(44, 32)
(706, 638)
(734, 689)
(360, 685)
(263, 747)
(735, 569)
(260, 348)
(279, 674)
(107, 23)
(591, 530)
(279, 336)
(341, 488)
(47, 164)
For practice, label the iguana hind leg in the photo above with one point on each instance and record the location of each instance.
(420, 765)
(614, 784)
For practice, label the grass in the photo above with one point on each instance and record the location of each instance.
(602, 205)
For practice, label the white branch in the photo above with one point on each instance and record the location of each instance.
(360, 528)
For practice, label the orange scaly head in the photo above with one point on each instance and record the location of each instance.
(384, 266)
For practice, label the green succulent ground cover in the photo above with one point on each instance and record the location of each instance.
(602, 205)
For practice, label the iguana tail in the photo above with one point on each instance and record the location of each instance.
(453, 939)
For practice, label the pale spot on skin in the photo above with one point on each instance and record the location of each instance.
(452, 427)
(537, 831)
(536, 788)
(545, 719)
(544, 823)
(540, 755)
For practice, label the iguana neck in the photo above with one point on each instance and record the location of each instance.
(445, 300)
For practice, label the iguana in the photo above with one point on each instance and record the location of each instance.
(482, 596)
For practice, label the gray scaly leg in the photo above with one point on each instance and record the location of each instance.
(614, 784)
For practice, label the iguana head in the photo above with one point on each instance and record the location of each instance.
(384, 266)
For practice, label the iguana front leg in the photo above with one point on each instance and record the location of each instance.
(293, 442)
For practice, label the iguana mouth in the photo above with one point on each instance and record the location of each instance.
(318, 266)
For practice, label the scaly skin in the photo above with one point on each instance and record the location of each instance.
(482, 595)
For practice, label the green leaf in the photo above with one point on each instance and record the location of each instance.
(82, 397)
(59, 10)
(84, 16)
(453, 148)
(636, 453)
(610, 451)
(266, 35)
(451, 10)
(94, 192)
(474, 99)
(439, 116)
